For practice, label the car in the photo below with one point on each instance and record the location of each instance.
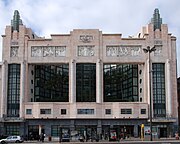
(12, 139)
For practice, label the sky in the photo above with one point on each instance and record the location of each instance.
(127, 17)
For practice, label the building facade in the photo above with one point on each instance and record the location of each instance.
(87, 82)
(178, 92)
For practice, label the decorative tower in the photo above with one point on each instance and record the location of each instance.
(156, 20)
(16, 21)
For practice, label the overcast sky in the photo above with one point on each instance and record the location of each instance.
(127, 17)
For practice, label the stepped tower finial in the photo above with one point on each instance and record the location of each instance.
(16, 21)
(156, 20)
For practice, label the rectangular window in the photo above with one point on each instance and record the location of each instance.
(45, 111)
(143, 111)
(63, 111)
(85, 111)
(120, 82)
(12, 129)
(28, 111)
(55, 129)
(126, 111)
(85, 82)
(108, 111)
(51, 83)
(159, 95)
(13, 96)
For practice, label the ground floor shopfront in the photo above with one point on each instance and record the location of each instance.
(109, 129)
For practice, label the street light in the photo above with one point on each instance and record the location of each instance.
(149, 50)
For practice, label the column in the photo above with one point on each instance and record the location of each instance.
(168, 89)
(146, 96)
(4, 88)
(40, 129)
(72, 68)
(99, 82)
(99, 127)
(72, 125)
(22, 88)
(135, 130)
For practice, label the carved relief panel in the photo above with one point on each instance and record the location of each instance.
(116, 51)
(158, 45)
(14, 51)
(86, 38)
(86, 50)
(48, 51)
(158, 51)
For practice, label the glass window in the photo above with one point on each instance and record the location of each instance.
(13, 97)
(159, 97)
(28, 111)
(45, 111)
(126, 111)
(108, 111)
(63, 111)
(120, 83)
(85, 111)
(85, 82)
(51, 83)
(55, 129)
(143, 111)
(12, 129)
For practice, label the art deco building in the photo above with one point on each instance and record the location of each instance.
(88, 82)
(178, 92)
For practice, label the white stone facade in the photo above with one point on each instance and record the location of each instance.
(89, 46)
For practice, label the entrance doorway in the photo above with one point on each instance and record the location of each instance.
(33, 132)
(163, 132)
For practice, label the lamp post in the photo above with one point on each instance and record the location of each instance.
(149, 50)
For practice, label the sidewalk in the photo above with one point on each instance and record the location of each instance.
(106, 141)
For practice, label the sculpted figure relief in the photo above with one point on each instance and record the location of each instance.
(14, 51)
(85, 51)
(48, 51)
(60, 51)
(36, 51)
(116, 51)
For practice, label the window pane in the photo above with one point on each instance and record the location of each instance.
(120, 83)
(85, 82)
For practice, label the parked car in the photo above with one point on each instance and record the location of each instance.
(12, 139)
